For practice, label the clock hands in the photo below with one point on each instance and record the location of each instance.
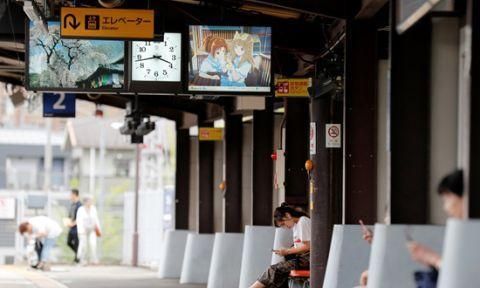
(160, 57)
(154, 57)
(138, 60)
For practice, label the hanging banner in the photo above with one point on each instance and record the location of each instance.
(210, 134)
(7, 208)
(101, 23)
(292, 87)
(313, 138)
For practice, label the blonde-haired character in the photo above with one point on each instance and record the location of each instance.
(240, 60)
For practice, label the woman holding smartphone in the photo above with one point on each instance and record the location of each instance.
(288, 217)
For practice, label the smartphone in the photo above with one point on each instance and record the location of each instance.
(408, 234)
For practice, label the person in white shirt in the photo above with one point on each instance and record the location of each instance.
(297, 256)
(88, 228)
(45, 230)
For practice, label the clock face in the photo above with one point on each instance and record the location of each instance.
(157, 61)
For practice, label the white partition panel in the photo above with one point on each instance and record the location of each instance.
(226, 260)
(283, 239)
(173, 251)
(460, 261)
(348, 257)
(390, 262)
(257, 253)
(196, 262)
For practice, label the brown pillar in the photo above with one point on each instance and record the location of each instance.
(233, 171)
(262, 166)
(205, 184)
(409, 117)
(182, 179)
(327, 194)
(474, 167)
(360, 115)
(296, 150)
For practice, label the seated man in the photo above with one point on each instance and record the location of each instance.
(44, 229)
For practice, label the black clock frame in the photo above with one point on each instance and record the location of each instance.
(166, 87)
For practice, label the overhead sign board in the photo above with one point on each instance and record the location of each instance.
(58, 105)
(210, 134)
(100, 23)
(292, 87)
(7, 208)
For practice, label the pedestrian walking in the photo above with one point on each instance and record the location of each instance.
(88, 227)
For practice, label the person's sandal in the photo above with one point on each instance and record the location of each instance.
(46, 268)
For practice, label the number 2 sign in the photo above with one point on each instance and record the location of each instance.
(58, 105)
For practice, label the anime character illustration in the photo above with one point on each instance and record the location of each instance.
(229, 58)
(214, 66)
(240, 60)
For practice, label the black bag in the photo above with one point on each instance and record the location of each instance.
(426, 279)
(38, 250)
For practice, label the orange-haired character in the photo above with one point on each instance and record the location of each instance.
(214, 65)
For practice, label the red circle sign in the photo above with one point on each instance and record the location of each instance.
(333, 132)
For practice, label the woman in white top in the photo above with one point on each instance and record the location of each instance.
(45, 230)
(88, 228)
(297, 256)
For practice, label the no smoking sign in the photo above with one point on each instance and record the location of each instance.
(333, 137)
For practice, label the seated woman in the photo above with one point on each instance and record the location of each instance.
(297, 256)
(451, 191)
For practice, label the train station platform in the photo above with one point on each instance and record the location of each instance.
(78, 277)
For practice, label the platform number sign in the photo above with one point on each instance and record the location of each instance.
(58, 105)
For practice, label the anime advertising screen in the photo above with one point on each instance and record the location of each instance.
(55, 63)
(230, 59)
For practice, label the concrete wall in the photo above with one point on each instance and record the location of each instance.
(192, 218)
(217, 193)
(276, 143)
(247, 196)
(382, 154)
(444, 103)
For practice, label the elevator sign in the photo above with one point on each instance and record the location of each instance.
(333, 135)
(101, 23)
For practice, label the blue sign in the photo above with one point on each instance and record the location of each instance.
(58, 105)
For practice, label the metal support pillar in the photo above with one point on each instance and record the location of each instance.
(296, 151)
(409, 119)
(205, 184)
(262, 166)
(182, 179)
(360, 128)
(326, 199)
(233, 173)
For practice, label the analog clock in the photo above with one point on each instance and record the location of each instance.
(157, 61)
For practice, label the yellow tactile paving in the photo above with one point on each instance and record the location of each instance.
(36, 277)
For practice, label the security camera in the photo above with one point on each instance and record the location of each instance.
(128, 127)
(145, 127)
